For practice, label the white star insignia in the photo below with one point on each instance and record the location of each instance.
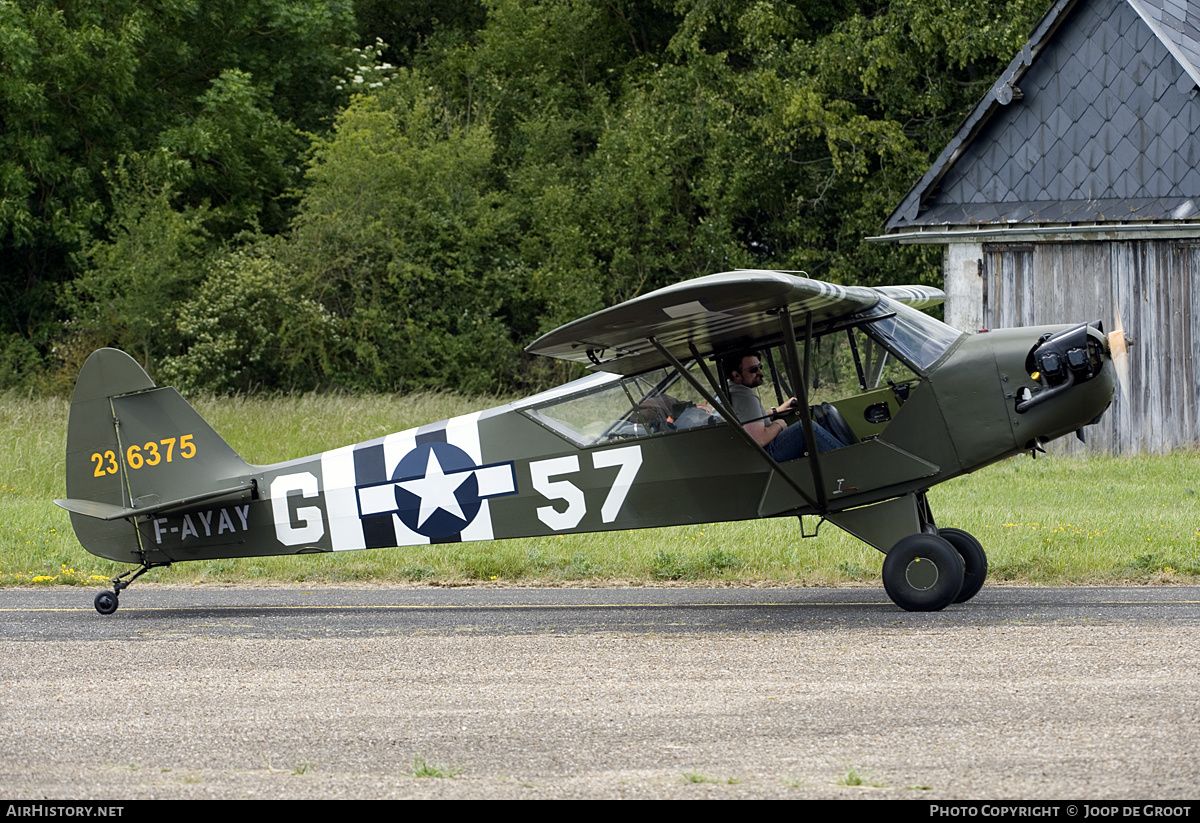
(436, 490)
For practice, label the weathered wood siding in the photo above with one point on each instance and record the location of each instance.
(1156, 285)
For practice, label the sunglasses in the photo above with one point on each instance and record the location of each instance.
(752, 369)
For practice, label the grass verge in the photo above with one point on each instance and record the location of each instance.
(1051, 521)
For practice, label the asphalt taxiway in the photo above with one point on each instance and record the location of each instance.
(320, 692)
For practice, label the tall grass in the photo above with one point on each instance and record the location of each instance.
(1047, 521)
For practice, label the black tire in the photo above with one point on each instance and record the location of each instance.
(922, 573)
(106, 602)
(974, 561)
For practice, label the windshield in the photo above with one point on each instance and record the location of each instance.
(913, 336)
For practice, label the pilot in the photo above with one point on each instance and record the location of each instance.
(781, 441)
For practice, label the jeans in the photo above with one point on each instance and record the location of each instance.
(789, 443)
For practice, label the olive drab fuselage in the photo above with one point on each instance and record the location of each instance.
(645, 441)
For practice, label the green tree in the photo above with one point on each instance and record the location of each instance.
(246, 327)
(133, 284)
(401, 238)
(533, 160)
(222, 86)
(63, 80)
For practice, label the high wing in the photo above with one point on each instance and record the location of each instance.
(716, 313)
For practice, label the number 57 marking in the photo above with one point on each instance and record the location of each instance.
(628, 458)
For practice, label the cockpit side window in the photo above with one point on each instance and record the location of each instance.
(644, 405)
(852, 381)
(864, 366)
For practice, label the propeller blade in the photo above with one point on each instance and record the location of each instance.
(1118, 347)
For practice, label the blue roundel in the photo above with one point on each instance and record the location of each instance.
(437, 493)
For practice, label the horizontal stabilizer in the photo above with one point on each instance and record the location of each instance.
(107, 511)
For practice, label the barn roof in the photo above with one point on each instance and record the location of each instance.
(1096, 121)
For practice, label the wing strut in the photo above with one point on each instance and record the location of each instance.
(798, 380)
(737, 425)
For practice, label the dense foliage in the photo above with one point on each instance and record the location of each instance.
(265, 194)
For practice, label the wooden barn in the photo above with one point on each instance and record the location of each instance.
(1072, 192)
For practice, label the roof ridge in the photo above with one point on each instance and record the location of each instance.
(1162, 30)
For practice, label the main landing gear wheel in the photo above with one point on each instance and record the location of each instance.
(923, 573)
(974, 561)
(106, 602)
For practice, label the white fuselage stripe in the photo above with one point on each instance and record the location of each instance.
(341, 501)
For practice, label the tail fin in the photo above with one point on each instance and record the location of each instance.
(134, 449)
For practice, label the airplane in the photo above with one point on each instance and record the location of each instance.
(647, 439)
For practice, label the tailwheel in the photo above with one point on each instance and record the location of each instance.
(974, 561)
(923, 573)
(106, 602)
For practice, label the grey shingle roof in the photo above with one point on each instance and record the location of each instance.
(1097, 120)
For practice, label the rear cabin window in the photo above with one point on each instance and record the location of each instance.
(657, 402)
